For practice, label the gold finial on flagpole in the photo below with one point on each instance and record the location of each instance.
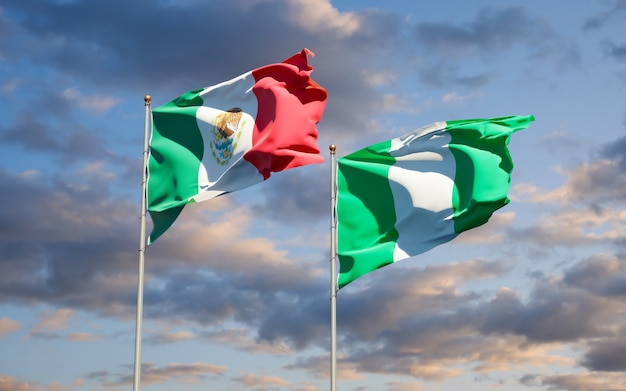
(147, 99)
(332, 148)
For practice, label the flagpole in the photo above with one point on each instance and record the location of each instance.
(142, 246)
(333, 271)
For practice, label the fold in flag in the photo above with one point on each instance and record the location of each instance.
(232, 135)
(402, 197)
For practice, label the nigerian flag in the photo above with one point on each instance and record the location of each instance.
(402, 197)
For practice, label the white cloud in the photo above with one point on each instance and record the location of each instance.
(380, 78)
(585, 381)
(580, 226)
(94, 104)
(53, 320)
(240, 339)
(250, 380)
(97, 169)
(320, 16)
(8, 383)
(395, 103)
(454, 97)
(600, 180)
(83, 337)
(10, 86)
(184, 372)
(8, 326)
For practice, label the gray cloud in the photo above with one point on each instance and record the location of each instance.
(492, 32)
(55, 245)
(598, 21)
(312, 184)
(600, 275)
(69, 142)
(606, 355)
(554, 313)
(493, 29)
(446, 328)
(616, 150)
(580, 381)
(616, 51)
(153, 374)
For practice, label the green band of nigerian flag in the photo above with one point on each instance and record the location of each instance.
(402, 197)
(232, 135)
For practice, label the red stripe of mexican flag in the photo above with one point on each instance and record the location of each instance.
(232, 135)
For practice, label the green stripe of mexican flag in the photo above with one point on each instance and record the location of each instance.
(402, 197)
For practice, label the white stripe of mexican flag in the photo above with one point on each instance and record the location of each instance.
(404, 196)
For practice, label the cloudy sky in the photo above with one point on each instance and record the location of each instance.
(237, 291)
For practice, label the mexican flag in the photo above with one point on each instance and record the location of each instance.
(232, 135)
(402, 197)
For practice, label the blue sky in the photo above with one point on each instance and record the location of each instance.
(236, 294)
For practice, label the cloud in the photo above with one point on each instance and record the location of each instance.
(83, 337)
(433, 329)
(606, 355)
(9, 87)
(65, 244)
(9, 383)
(256, 381)
(152, 374)
(165, 336)
(312, 203)
(321, 16)
(598, 21)
(408, 386)
(615, 51)
(94, 104)
(60, 136)
(454, 97)
(583, 381)
(596, 182)
(381, 77)
(416, 291)
(600, 181)
(240, 339)
(575, 227)
(548, 316)
(511, 23)
(603, 275)
(492, 30)
(53, 320)
(318, 367)
(395, 103)
(8, 325)
(616, 150)
(560, 140)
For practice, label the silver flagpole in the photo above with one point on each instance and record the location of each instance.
(142, 247)
(333, 271)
